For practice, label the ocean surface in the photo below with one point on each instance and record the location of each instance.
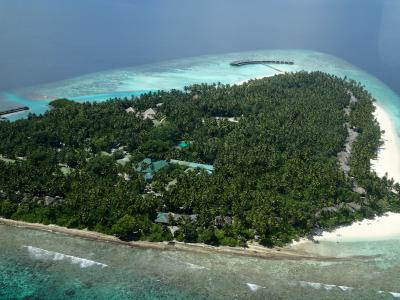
(45, 40)
(44, 265)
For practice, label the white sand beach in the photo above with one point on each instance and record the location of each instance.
(386, 227)
(388, 160)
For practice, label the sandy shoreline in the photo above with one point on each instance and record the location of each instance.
(386, 227)
(251, 251)
(388, 160)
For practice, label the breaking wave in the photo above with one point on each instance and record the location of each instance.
(254, 287)
(328, 287)
(43, 254)
(195, 267)
(396, 295)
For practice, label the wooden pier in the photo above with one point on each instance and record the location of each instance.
(239, 63)
(13, 110)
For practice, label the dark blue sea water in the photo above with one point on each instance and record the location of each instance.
(48, 40)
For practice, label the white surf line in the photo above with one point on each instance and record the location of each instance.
(195, 267)
(254, 287)
(328, 287)
(43, 254)
(396, 295)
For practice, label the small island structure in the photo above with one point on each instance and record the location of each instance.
(13, 110)
(239, 63)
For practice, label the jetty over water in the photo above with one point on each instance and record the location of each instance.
(13, 110)
(239, 63)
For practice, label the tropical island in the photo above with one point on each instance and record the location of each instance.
(267, 161)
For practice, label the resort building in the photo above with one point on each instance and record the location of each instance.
(221, 119)
(167, 217)
(183, 145)
(130, 110)
(229, 119)
(193, 166)
(149, 167)
(149, 114)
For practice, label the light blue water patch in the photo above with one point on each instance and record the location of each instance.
(10, 100)
(107, 96)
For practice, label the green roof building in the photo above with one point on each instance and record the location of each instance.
(149, 167)
(192, 165)
(183, 145)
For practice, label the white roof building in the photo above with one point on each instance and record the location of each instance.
(130, 110)
(149, 114)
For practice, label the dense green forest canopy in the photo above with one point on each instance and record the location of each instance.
(273, 143)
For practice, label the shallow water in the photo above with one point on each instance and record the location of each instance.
(45, 265)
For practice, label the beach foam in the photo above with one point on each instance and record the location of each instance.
(254, 287)
(344, 288)
(396, 295)
(43, 254)
(327, 287)
(195, 267)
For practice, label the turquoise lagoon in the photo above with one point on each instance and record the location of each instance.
(43, 265)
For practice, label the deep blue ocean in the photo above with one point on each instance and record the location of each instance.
(49, 40)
